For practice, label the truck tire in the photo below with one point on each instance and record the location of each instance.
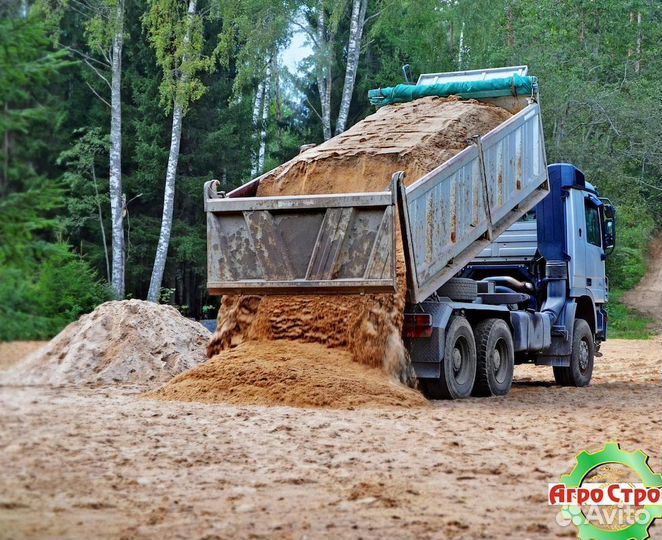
(458, 367)
(580, 370)
(459, 289)
(496, 358)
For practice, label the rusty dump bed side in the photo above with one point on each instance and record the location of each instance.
(346, 243)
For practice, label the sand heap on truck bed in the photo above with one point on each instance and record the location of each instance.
(127, 341)
(414, 137)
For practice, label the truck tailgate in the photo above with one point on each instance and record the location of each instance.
(314, 244)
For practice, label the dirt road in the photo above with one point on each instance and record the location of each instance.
(105, 463)
(647, 296)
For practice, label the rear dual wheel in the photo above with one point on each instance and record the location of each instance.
(458, 368)
(496, 358)
(479, 362)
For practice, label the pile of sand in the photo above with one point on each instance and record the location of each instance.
(413, 137)
(288, 373)
(130, 341)
(12, 352)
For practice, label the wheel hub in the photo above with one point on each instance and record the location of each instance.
(583, 355)
(457, 359)
(496, 360)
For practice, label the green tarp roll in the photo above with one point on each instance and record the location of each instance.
(517, 85)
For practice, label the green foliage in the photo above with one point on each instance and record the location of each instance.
(628, 263)
(166, 296)
(415, 32)
(27, 65)
(626, 323)
(209, 311)
(177, 37)
(57, 291)
(251, 31)
(23, 216)
(600, 95)
(43, 284)
(104, 24)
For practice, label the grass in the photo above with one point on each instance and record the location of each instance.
(626, 323)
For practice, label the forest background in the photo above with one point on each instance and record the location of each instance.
(113, 114)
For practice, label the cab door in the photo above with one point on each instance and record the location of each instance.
(594, 261)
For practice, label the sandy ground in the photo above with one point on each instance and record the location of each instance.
(105, 463)
(647, 296)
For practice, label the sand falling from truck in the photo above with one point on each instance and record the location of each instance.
(414, 137)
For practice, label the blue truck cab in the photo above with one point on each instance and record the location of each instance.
(537, 294)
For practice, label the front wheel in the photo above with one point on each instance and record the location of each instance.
(580, 370)
(458, 368)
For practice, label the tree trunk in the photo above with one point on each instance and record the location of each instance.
(169, 191)
(510, 30)
(637, 63)
(324, 80)
(101, 226)
(460, 52)
(353, 53)
(115, 177)
(266, 102)
(278, 105)
(257, 110)
(5, 152)
(451, 36)
(168, 206)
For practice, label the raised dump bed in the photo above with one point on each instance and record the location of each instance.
(346, 243)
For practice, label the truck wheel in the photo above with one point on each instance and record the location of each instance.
(459, 289)
(580, 370)
(496, 358)
(458, 368)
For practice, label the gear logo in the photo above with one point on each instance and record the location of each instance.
(572, 494)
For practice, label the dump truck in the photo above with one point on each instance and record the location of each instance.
(504, 255)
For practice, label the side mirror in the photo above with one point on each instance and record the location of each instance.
(610, 235)
(609, 231)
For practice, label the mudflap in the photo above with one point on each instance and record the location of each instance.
(427, 353)
(560, 349)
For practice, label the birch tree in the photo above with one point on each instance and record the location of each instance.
(323, 20)
(250, 45)
(460, 48)
(115, 165)
(266, 104)
(104, 29)
(357, 22)
(257, 115)
(324, 64)
(261, 109)
(177, 37)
